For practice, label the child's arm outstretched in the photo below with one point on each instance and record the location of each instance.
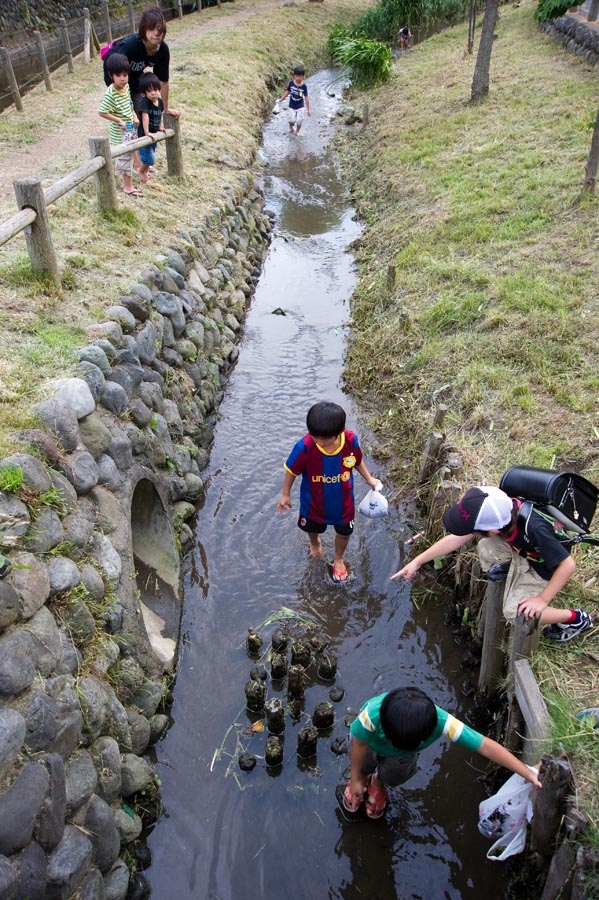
(445, 545)
(502, 756)
(283, 97)
(284, 501)
(372, 482)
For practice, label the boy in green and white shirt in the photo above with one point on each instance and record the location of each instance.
(387, 736)
(117, 108)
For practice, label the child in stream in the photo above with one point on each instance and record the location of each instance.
(326, 458)
(387, 736)
(299, 102)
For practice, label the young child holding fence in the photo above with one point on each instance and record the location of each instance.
(151, 109)
(117, 108)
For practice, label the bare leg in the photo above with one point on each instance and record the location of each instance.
(341, 541)
(315, 545)
(551, 616)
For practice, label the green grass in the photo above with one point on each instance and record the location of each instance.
(11, 479)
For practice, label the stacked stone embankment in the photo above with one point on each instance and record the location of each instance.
(109, 480)
(576, 35)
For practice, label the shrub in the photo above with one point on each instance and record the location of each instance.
(551, 9)
(368, 61)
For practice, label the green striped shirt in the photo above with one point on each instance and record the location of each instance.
(119, 105)
(367, 728)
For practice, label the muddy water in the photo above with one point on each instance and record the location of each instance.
(226, 835)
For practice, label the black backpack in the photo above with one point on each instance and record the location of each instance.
(565, 497)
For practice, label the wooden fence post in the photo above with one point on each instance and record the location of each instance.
(492, 660)
(593, 10)
(10, 75)
(390, 281)
(104, 178)
(180, 8)
(525, 639)
(30, 194)
(548, 804)
(430, 457)
(107, 22)
(66, 43)
(174, 156)
(87, 36)
(131, 16)
(41, 54)
(365, 115)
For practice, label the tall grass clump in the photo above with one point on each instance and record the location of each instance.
(551, 9)
(368, 61)
(383, 21)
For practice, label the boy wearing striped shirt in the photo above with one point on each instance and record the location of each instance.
(387, 736)
(117, 108)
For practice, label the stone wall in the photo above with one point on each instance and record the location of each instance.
(576, 35)
(107, 484)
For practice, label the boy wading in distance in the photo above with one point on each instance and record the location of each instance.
(326, 458)
(117, 108)
(299, 102)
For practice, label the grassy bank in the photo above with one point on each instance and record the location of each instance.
(495, 306)
(224, 75)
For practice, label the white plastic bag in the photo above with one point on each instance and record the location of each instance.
(276, 108)
(374, 505)
(505, 816)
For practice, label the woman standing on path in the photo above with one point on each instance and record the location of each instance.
(146, 49)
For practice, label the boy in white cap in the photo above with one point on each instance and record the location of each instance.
(538, 564)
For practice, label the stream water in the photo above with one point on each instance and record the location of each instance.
(229, 835)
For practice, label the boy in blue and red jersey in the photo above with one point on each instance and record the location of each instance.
(326, 458)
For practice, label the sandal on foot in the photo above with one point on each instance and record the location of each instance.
(350, 804)
(339, 575)
(133, 193)
(376, 800)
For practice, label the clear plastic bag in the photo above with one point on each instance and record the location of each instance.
(505, 815)
(276, 109)
(374, 505)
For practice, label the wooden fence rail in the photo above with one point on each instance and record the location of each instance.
(33, 200)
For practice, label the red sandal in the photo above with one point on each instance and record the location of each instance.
(339, 575)
(376, 800)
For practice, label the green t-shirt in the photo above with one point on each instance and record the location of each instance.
(119, 105)
(367, 728)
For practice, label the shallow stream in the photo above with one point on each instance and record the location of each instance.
(271, 834)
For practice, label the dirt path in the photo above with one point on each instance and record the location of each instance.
(49, 138)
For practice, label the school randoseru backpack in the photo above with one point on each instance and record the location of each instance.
(566, 497)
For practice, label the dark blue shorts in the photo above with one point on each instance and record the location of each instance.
(148, 154)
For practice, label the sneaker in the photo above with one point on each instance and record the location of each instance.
(592, 715)
(498, 572)
(571, 629)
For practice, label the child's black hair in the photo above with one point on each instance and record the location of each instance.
(117, 64)
(149, 82)
(325, 419)
(408, 717)
(299, 70)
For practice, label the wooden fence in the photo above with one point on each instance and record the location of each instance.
(33, 200)
(81, 35)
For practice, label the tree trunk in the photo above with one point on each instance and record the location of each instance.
(480, 81)
(471, 26)
(590, 173)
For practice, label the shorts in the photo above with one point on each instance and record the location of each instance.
(392, 770)
(148, 154)
(522, 580)
(123, 165)
(312, 527)
(296, 116)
